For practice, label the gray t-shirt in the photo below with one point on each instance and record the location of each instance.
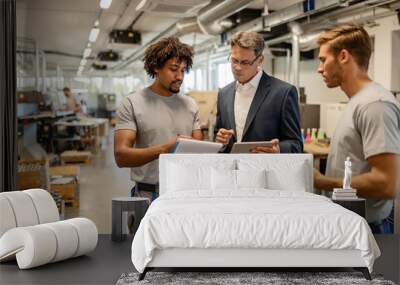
(156, 120)
(369, 125)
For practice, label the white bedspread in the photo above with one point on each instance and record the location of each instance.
(253, 218)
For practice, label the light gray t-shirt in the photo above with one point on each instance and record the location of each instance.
(369, 125)
(156, 120)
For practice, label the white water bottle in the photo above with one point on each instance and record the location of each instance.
(347, 174)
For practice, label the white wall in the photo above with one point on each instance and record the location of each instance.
(384, 55)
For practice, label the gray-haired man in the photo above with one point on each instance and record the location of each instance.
(257, 107)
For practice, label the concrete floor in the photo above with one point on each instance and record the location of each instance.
(99, 183)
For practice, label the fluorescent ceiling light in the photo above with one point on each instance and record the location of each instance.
(96, 24)
(87, 52)
(83, 62)
(93, 34)
(105, 4)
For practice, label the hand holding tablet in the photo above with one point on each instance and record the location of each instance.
(271, 146)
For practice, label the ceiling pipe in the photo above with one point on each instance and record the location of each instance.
(206, 21)
(187, 26)
(209, 17)
(296, 33)
(263, 23)
(308, 41)
(291, 13)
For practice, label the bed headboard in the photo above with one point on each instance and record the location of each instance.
(238, 161)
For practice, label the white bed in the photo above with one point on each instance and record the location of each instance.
(202, 219)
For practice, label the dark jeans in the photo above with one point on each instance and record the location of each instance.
(136, 192)
(386, 226)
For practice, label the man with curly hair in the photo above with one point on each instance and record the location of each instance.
(151, 120)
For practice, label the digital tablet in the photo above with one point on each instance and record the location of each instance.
(246, 147)
(196, 146)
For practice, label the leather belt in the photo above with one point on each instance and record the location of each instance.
(147, 187)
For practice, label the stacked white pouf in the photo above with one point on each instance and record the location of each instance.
(31, 232)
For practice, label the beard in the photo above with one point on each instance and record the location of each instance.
(175, 86)
(336, 77)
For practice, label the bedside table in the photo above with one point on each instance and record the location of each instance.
(355, 205)
(138, 205)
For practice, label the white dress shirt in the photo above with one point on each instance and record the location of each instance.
(243, 97)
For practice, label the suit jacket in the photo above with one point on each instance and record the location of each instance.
(274, 113)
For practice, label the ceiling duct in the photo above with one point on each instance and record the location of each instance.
(211, 20)
(271, 21)
(176, 8)
(308, 41)
(187, 26)
(299, 10)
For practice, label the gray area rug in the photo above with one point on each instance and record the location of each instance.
(229, 278)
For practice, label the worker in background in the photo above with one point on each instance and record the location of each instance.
(72, 104)
(150, 120)
(369, 129)
(256, 106)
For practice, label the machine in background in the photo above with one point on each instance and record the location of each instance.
(106, 105)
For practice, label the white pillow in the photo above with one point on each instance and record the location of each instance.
(226, 179)
(223, 179)
(182, 177)
(251, 178)
(292, 179)
(185, 174)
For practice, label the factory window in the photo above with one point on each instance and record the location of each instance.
(224, 74)
(189, 82)
(199, 79)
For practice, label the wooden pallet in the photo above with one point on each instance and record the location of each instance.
(66, 170)
(76, 157)
(32, 174)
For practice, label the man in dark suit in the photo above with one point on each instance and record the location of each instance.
(257, 107)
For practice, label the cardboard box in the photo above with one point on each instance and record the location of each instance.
(74, 156)
(67, 191)
(29, 180)
(65, 170)
(33, 174)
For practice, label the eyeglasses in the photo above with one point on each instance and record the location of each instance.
(244, 63)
